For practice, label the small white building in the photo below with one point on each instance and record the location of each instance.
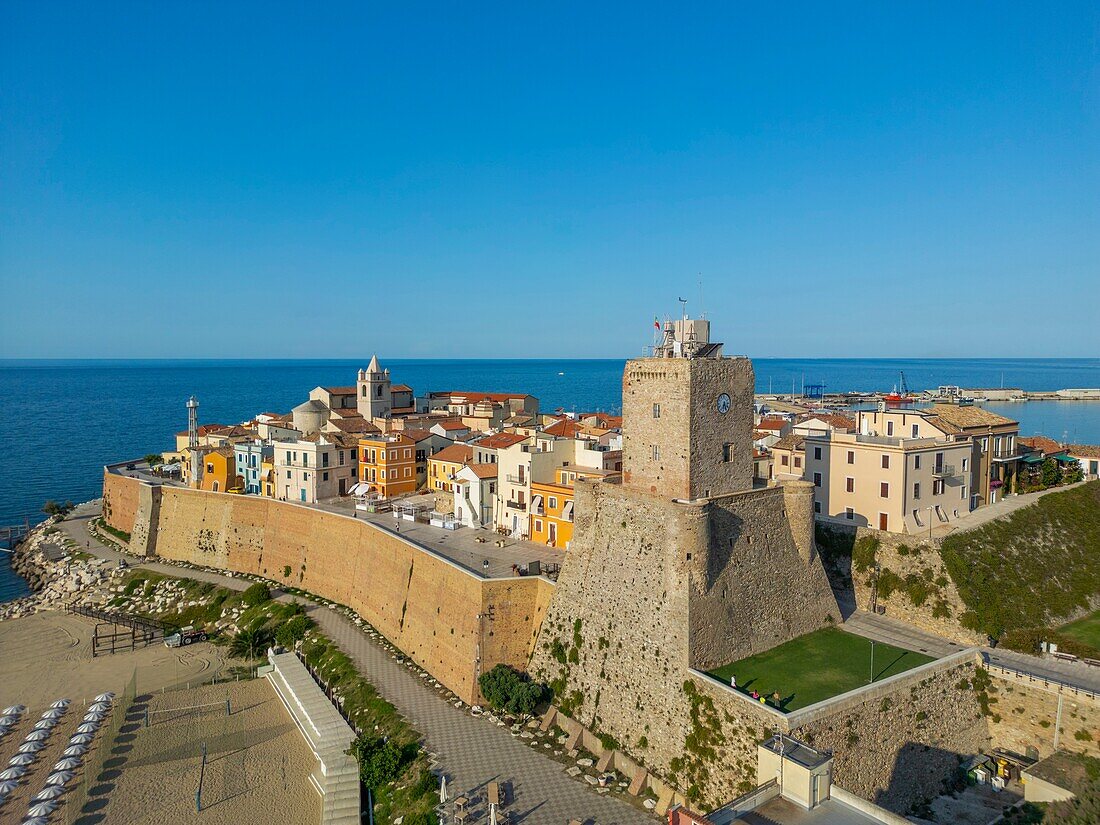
(475, 493)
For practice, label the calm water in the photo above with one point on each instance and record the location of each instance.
(60, 422)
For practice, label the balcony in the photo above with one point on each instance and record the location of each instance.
(516, 505)
(1005, 455)
(944, 471)
(514, 479)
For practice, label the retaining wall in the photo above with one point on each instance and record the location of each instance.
(450, 621)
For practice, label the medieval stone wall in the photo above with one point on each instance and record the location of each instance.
(120, 501)
(442, 616)
(1025, 716)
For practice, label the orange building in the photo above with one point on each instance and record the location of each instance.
(551, 510)
(387, 464)
(219, 471)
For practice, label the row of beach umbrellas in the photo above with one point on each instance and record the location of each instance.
(46, 801)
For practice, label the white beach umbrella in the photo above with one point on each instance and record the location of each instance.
(75, 750)
(52, 792)
(22, 759)
(13, 710)
(9, 719)
(13, 773)
(54, 713)
(61, 703)
(88, 727)
(43, 808)
(31, 747)
(37, 735)
(81, 739)
(105, 697)
(99, 707)
(492, 814)
(443, 790)
(94, 717)
(59, 777)
(44, 724)
(7, 786)
(36, 820)
(69, 763)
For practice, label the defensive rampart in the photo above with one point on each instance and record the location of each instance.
(450, 621)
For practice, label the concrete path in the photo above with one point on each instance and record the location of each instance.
(999, 509)
(472, 752)
(898, 633)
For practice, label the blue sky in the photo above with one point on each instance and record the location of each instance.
(467, 180)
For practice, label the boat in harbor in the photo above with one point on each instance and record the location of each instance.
(897, 397)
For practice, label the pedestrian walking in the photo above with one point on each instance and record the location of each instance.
(733, 682)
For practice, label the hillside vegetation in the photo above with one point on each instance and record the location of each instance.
(1034, 568)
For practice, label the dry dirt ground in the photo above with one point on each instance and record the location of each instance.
(48, 656)
(257, 762)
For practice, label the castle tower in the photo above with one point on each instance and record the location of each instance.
(373, 396)
(687, 417)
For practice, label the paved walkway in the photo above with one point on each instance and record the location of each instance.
(999, 509)
(472, 752)
(898, 633)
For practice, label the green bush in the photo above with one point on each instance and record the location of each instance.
(863, 553)
(293, 630)
(1031, 568)
(1028, 639)
(257, 593)
(508, 690)
(154, 459)
(379, 760)
(251, 642)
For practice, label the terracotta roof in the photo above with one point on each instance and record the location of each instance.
(452, 424)
(354, 425)
(341, 440)
(834, 420)
(968, 416)
(565, 428)
(456, 454)
(416, 434)
(501, 440)
(346, 412)
(207, 429)
(771, 424)
(339, 390)
(483, 470)
(793, 441)
(401, 388)
(1083, 450)
(475, 397)
(944, 426)
(1040, 443)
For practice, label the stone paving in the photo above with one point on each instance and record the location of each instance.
(471, 751)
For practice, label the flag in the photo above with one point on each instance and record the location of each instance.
(656, 324)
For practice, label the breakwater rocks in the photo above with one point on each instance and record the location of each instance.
(56, 571)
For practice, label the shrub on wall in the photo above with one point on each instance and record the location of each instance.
(508, 690)
(257, 593)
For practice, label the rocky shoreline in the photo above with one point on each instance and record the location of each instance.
(54, 582)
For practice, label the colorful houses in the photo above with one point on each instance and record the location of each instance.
(387, 465)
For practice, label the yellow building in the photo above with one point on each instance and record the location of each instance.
(387, 464)
(219, 471)
(551, 510)
(267, 477)
(443, 465)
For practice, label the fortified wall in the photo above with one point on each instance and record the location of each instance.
(450, 621)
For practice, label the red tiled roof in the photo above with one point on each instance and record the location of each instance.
(339, 390)
(771, 424)
(354, 425)
(565, 428)
(835, 420)
(456, 454)
(452, 424)
(417, 434)
(1083, 450)
(484, 470)
(1040, 443)
(401, 388)
(474, 397)
(501, 440)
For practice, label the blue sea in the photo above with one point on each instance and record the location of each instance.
(61, 421)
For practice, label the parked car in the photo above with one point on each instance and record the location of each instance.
(185, 636)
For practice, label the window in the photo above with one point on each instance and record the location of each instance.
(324, 459)
(885, 462)
(937, 487)
(915, 430)
(393, 455)
(916, 462)
(324, 476)
(849, 485)
(851, 457)
(656, 453)
(884, 489)
(798, 461)
(817, 479)
(288, 473)
(393, 473)
(656, 410)
(985, 444)
(305, 459)
(553, 502)
(408, 453)
(727, 452)
(963, 496)
(966, 464)
(817, 454)
(889, 428)
(538, 522)
(341, 457)
(817, 506)
(209, 468)
(849, 513)
(916, 489)
(784, 460)
(408, 472)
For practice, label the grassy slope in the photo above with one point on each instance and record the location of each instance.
(1036, 566)
(1085, 630)
(817, 666)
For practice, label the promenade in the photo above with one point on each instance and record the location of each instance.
(471, 751)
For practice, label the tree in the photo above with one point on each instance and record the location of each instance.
(153, 459)
(250, 641)
(379, 760)
(1051, 474)
(53, 508)
(508, 690)
(257, 593)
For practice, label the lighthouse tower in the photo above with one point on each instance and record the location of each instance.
(193, 441)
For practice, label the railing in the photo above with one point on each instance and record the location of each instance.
(1047, 681)
(514, 479)
(1004, 455)
(944, 471)
(538, 511)
(516, 505)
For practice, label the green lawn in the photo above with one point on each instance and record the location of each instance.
(1085, 630)
(817, 666)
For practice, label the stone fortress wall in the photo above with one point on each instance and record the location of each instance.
(451, 622)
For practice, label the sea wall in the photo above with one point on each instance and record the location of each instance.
(451, 622)
(120, 500)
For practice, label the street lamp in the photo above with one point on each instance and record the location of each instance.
(930, 509)
(872, 660)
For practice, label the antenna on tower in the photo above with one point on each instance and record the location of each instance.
(683, 308)
(193, 439)
(702, 313)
